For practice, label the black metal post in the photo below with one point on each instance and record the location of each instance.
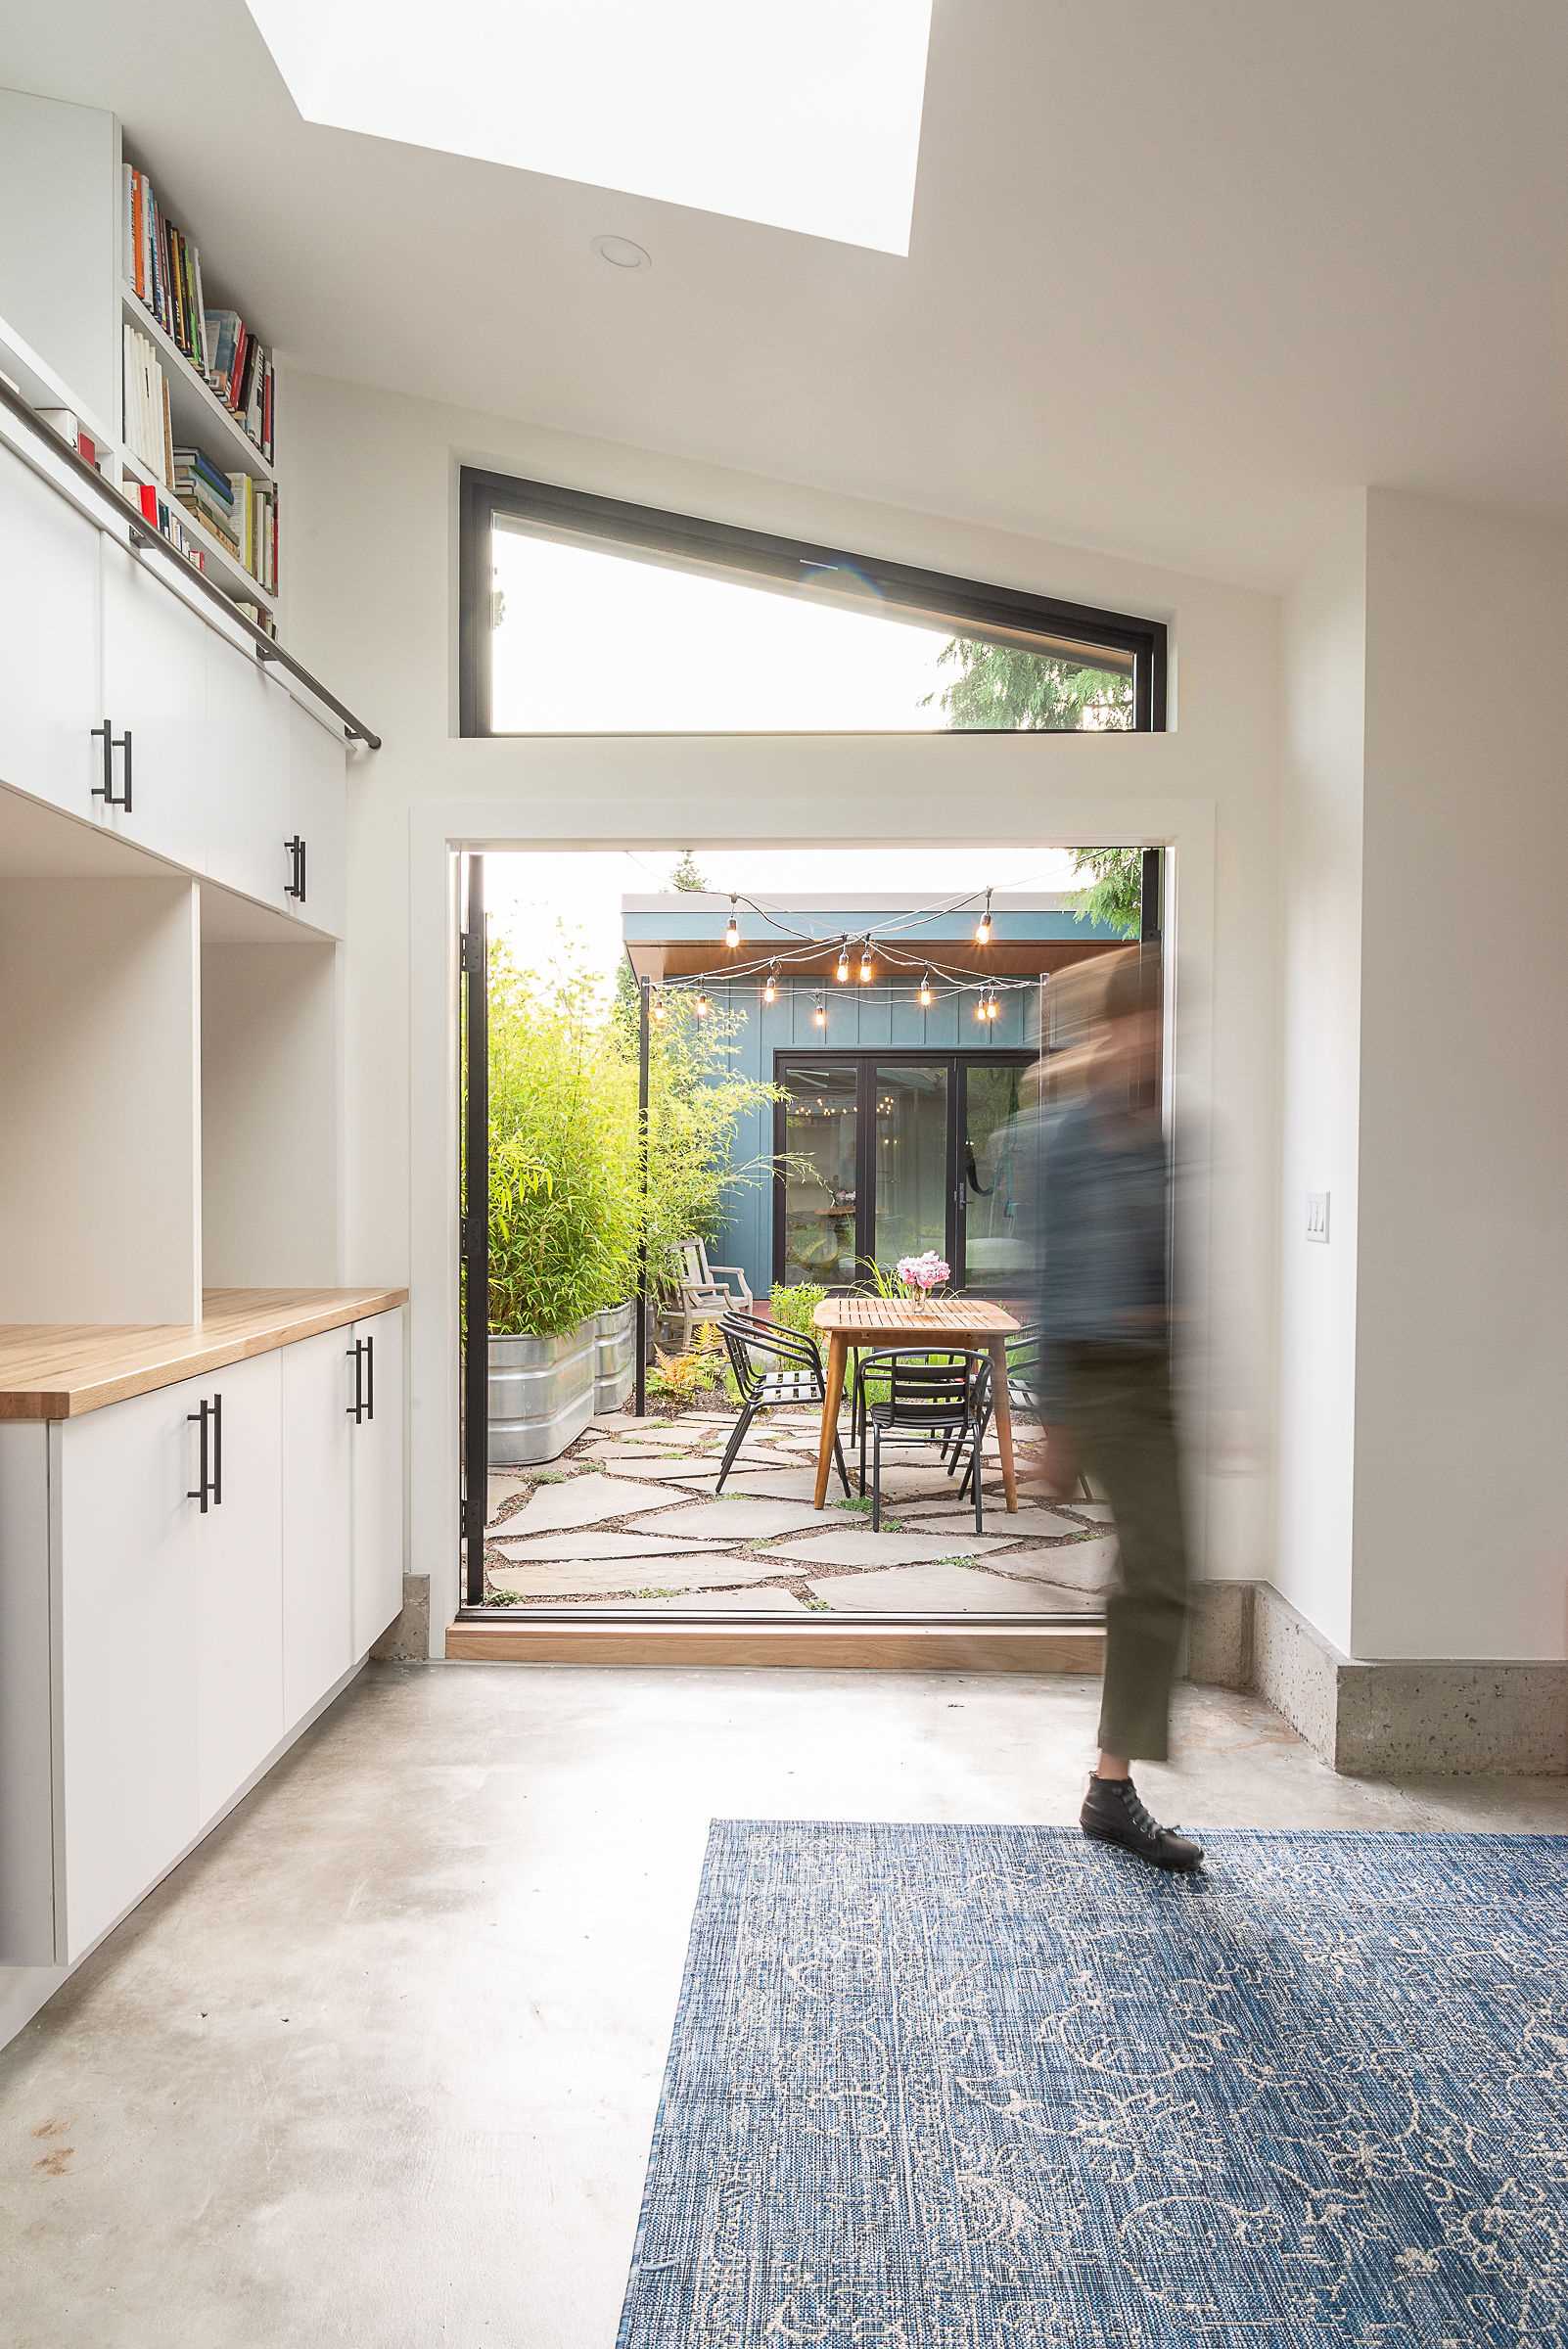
(1151, 913)
(476, 1236)
(641, 1390)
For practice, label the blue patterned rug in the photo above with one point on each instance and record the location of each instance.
(999, 2088)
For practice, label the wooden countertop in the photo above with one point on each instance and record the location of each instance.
(57, 1370)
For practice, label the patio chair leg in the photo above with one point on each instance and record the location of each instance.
(863, 1454)
(838, 1463)
(974, 1470)
(747, 1414)
(876, 1478)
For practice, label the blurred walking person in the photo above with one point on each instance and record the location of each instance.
(1102, 1220)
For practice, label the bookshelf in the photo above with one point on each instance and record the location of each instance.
(65, 212)
(200, 416)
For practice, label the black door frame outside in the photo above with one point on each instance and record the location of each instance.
(474, 1231)
(474, 1251)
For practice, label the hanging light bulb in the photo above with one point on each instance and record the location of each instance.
(865, 964)
(980, 1008)
(699, 1007)
(843, 971)
(925, 990)
(659, 1010)
(982, 926)
(990, 1005)
(732, 929)
(770, 985)
(819, 1013)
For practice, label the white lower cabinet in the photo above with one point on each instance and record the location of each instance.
(377, 1476)
(160, 1649)
(126, 1564)
(237, 1556)
(317, 1598)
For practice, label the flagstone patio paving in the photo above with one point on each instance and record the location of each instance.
(630, 1517)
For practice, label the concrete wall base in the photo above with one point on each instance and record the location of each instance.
(407, 1639)
(1392, 1720)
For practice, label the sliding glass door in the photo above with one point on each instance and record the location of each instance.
(994, 1245)
(883, 1155)
(818, 1154)
(912, 1176)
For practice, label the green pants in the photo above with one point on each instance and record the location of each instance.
(1117, 1404)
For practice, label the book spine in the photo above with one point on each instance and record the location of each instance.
(198, 308)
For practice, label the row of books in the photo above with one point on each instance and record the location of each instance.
(165, 269)
(164, 515)
(149, 428)
(240, 513)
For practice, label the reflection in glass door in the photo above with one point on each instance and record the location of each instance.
(820, 1189)
(995, 1244)
(910, 1181)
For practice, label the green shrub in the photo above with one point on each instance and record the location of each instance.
(568, 1200)
(794, 1306)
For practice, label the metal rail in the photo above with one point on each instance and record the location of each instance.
(266, 647)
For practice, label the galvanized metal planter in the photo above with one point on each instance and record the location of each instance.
(615, 1358)
(544, 1390)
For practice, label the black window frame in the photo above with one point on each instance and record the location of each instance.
(1004, 611)
(866, 1059)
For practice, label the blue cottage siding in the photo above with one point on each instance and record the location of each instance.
(859, 1020)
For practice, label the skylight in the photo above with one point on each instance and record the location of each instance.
(802, 114)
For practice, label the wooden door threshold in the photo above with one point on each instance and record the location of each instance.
(817, 1646)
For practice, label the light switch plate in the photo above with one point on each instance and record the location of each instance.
(1317, 1216)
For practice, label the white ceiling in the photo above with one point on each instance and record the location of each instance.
(1180, 269)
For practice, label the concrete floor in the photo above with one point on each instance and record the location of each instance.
(377, 2065)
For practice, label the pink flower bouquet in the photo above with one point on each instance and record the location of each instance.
(922, 1275)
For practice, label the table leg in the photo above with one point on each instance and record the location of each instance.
(1002, 1411)
(837, 1349)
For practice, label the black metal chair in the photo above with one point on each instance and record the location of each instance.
(930, 1397)
(772, 1367)
(1023, 1391)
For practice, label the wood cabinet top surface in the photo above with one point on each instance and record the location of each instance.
(57, 1370)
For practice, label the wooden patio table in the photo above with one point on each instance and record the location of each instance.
(943, 1322)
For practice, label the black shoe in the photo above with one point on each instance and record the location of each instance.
(1113, 1813)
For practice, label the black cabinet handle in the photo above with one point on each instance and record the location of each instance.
(113, 742)
(209, 1489)
(296, 883)
(370, 1378)
(356, 1353)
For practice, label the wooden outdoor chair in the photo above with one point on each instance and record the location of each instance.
(706, 1292)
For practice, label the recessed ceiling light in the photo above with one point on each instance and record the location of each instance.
(622, 254)
(800, 113)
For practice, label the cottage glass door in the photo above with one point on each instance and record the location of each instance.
(911, 1184)
(819, 1122)
(997, 1241)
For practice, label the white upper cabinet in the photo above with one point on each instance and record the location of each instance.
(48, 641)
(247, 755)
(153, 699)
(317, 818)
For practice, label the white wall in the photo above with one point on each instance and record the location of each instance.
(1462, 1526)
(372, 567)
(99, 1143)
(1320, 1063)
(271, 1085)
